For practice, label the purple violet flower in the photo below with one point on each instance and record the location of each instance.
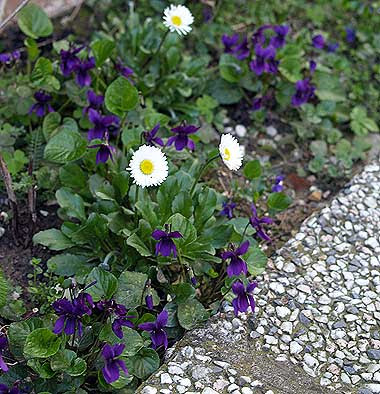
(110, 307)
(264, 60)
(150, 136)
(312, 66)
(237, 264)
(257, 103)
(123, 70)
(71, 312)
(227, 210)
(304, 92)
(278, 184)
(318, 41)
(149, 301)
(4, 389)
(332, 47)
(69, 60)
(42, 106)
(102, 124)
(5, 58)
(182, 140)
(244, 297)
(166, 245)
(257, 223)
(232, 46)
(350, 35)
(81, 69)
(104, 153)
(156, 330)
(3, 346)
(112, 364)
(258, 37)
(94, 101)
(279, 40)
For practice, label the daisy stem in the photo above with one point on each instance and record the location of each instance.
(201, 171)
(148, 60)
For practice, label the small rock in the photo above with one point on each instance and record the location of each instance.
(373, 354)
(166, 379)
(240, 130)
(149, 390)
(316, 195)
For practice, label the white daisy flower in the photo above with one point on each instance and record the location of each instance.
(231, 152)
(148, 166)
(178, 18)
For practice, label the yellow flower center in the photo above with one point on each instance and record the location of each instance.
(146, 167)
(176, 20)
(227, 154)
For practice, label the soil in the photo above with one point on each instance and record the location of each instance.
(15, 255)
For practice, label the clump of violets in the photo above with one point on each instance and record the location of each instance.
(156, 329)
(244, 297)
(112, 362)
(151, 138)
(318, 41)
(165, 245)
(71, 312)
(42, 105)
(237, 265)
(257, 223)
(181, 139)
(228, 209)
(3, 347)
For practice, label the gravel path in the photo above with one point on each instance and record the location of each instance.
(316, 327)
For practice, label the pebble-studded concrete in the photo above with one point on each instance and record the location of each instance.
(318, 309)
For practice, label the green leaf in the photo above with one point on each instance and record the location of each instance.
(65, 146)
(72, 203)
(319, 148)
(19, 331)
(230, 68)
(105, 286)
(224, 92)
(42, 69)
(34, 22)
(252, 170)
(256, 261)
(190, 313)
(131, 338)
(207, 201)
(316, 165)
(4, 287)
(183, 204)
(41, 343)
(68, 362)
(102, 50)
(71, 175)
(121, 96)
(144, 363)
(131, 289)
(69, 265)
(53, 238)
(185, 227)
(50, 124)
(278, 201)
(136, 242)
(183, 291)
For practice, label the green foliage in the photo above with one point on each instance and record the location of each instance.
(34, 22)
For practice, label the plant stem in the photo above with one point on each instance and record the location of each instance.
(203, 168)
(148, 60)
(245, 230)
(11, 195)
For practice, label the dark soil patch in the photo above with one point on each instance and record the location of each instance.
(15, 255)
